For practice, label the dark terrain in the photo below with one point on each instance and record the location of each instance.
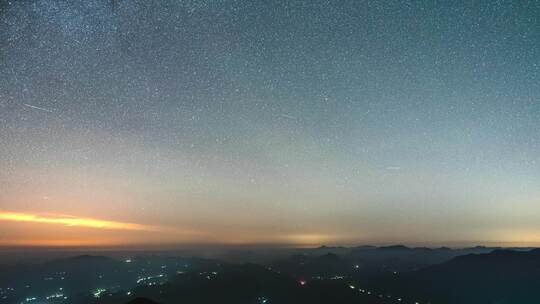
(393, 274)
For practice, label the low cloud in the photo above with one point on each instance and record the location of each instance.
(72, 221)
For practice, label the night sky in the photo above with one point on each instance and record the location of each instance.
(276, 122)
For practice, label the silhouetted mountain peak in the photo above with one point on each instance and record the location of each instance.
(395, 247)
(365, 247)
(324, 247)
(535, 251)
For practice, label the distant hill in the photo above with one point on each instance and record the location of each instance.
(502, 277)
(81, 260)
(366, 261)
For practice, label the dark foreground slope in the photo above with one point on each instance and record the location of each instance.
(141, 301)
(241, 284)
(502, 277)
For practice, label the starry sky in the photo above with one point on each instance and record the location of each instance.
(269, 122)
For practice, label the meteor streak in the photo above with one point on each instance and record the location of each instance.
(37, 108)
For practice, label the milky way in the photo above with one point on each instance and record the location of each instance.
(301, 122)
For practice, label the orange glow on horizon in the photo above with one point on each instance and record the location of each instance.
(72, 221)
(59, 243)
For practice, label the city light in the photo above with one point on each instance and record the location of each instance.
(98, 292)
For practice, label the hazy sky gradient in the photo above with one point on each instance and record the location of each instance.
(298, 122)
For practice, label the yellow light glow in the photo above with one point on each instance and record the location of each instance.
(61, 242)
(71, 221)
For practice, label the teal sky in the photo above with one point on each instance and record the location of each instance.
(284, 122)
